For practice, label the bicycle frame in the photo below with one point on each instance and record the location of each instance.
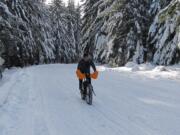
(87, 81)
(88, 89)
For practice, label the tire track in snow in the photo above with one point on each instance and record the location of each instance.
(12, 112)
(7, 87)
(50, 104)
(40, 125)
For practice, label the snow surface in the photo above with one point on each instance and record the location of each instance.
(131, 100)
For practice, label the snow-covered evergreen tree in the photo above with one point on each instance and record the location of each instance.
(164, 35)
(119, 27)
(74, 23)
(116, 31)
(157, 5)
(90, 11)
(77, 30)
(31, 34)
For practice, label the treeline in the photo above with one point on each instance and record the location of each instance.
(34, 33)
(118, 31)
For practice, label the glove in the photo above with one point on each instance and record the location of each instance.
(95, 75)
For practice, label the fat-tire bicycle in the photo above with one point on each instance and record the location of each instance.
(87, 90)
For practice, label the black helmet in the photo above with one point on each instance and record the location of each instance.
(86, 53)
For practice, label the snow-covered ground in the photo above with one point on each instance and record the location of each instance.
(131, 100)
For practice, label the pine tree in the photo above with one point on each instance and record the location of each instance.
(30, 33)
(64, 35)
(90, 10)
(163, 37)
(120, 24)
(78, 28)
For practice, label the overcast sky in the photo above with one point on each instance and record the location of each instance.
(76, 1)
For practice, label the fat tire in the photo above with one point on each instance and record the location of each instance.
(89, 95)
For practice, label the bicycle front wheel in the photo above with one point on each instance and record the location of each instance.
(89, 94)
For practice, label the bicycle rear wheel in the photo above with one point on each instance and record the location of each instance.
(89, 94)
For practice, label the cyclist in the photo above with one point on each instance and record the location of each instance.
(83, 68)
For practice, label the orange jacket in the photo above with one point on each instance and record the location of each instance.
(81, 76)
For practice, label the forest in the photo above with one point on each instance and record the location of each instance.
(114, 31)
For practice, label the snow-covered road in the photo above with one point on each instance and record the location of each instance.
(45, 100)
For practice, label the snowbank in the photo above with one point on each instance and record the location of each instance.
(148, 70)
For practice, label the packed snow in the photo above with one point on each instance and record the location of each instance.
(131, 100)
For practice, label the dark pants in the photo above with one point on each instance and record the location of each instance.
(81, 83)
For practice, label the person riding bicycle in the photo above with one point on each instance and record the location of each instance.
(83, 68)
